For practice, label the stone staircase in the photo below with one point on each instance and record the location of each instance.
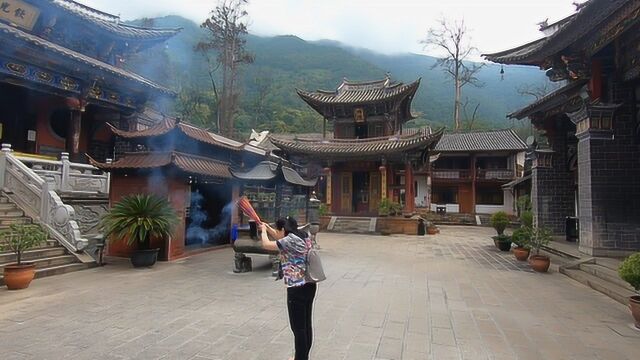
(352, 225)
(50, 258)
(601, 274)
(598, 273)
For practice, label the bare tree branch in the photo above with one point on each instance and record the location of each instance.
(451, 38)
(227, 29)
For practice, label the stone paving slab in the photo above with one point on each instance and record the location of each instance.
(449, 296)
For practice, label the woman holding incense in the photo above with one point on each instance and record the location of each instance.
(293, 248)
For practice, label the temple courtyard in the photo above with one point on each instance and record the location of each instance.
(449, 296)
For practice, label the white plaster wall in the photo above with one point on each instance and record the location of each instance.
(489, 209)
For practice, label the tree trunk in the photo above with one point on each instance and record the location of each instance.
(456, 110)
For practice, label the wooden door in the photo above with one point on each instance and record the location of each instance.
(374, 191)
(346, 193)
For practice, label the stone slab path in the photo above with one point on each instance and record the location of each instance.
(449, 296)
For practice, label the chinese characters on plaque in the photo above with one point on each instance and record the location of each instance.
(19, 13)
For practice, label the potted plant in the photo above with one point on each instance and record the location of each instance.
(18, 239)
(499, 221)
(539, 237)
(522, 235)
(137, 219)
(384, 207)
(520, 238)
(629, 271)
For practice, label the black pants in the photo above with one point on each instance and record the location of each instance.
(300, 305)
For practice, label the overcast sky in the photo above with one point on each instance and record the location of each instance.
(388, 26)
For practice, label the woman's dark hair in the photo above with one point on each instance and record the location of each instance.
(280, 223)
(291, 227)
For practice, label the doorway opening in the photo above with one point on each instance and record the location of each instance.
(360, 201)
(208, 220)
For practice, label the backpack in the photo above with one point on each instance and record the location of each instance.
(315, 272)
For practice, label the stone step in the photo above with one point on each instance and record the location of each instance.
(46, 262)
(7, 206)
(612, 290)
(6, 222)
(609, 263)
(11, 213)
(605, 274)
(8, 257)
(56, 270)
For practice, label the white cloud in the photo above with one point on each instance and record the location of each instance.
(382, 25)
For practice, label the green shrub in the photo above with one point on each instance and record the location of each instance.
(523, 203)
(503, 238)
(526, 218)
(499, 221)
(396, 208)
(539, 237)
(323, 209)
(137, 218)
(384, 207)
(22, 237)
(521, 236)
(630, 271)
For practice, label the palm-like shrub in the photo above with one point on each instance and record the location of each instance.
(526, 218)
(540, 237)
(138, 218)
(499, 221)
(20, 238)
(629, 271)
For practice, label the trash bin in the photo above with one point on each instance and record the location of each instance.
(422, 228)
(571, 227)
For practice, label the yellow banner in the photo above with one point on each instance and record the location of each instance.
(19, 13)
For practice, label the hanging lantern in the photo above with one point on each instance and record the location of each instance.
(501, 72)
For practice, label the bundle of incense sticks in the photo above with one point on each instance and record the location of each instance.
(245, 206)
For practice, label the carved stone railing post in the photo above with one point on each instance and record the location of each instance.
(6, 148)
(66, 168)
(108, 185)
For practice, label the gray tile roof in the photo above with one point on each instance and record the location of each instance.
(360, 92)
(553, 99)
(112, 23)
(355, 148)
(494, 140)
(593, 14)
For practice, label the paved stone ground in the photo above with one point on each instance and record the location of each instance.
(450, 296)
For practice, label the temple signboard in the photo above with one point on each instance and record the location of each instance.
(19, 13)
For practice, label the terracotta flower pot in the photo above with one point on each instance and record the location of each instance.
(18, 277)
(634, 305)
(432, 230)
(539, 263)
(522, 254)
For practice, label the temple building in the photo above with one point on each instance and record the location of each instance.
(588, 161)
(63, 77)
(367, 156)
(469, 169)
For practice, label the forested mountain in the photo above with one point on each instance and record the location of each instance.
(284, 63)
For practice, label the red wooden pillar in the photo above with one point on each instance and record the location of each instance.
(474, 176)
(409, 196)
